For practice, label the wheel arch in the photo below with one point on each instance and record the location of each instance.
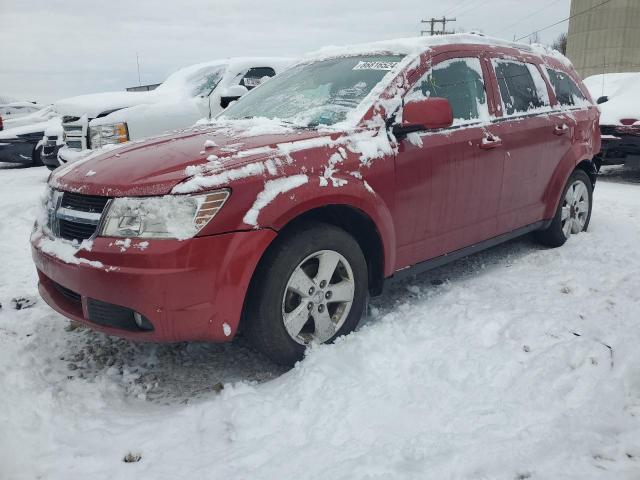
(357, 224)
(560, 178)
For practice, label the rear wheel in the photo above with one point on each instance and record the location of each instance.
(574, 211)
(310, 288)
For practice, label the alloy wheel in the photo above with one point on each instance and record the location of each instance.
(575, 208)
(318, 297)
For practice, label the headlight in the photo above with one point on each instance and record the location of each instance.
(102, 135)
(171, 216)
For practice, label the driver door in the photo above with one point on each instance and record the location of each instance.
(449, 180)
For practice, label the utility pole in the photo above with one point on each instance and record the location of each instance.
(432, 31)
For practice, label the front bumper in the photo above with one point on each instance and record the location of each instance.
(17, 151)
(49, 155)
(190, 290)
(70, 155)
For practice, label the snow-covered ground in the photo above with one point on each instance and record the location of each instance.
(516, 363)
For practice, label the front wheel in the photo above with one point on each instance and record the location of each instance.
(574, 211)
(311, 287)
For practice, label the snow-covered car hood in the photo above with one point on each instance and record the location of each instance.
(95, 104)
(30, 129)
(157, 165)
(623, 90)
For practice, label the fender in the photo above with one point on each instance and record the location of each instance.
(559, 179)
(277, 214)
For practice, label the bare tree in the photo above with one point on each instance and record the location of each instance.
(560, 43)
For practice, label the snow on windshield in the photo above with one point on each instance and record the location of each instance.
(319, 93)
(195, 80)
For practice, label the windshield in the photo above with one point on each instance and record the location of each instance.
(320, 93)
(194, 81)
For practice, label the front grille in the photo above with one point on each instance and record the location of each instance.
(75, 144)
(68, 294)
(75, 231)
(84, 203)
(114, 316)
(77, 216)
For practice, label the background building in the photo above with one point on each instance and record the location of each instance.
(606, 38)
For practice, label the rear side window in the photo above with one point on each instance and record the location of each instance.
(522, 88)
(567, 92)
(459, 80)
(254, 76)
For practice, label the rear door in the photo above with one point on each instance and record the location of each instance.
(528, 136)
(448, 180)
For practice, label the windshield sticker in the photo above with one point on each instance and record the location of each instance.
(375, 65)
(252, 81)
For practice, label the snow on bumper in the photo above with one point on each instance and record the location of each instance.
(188, 290)
(69, 155)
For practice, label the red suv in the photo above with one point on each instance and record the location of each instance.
(353, 167)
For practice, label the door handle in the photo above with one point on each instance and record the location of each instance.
(489, 142)
(560, 129)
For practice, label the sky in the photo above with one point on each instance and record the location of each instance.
(54, 49)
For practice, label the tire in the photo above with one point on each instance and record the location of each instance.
(37, 159)
(572, 208)
(289, 287)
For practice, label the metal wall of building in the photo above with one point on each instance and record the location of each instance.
(606, 39)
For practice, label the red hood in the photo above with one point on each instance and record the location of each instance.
(155, 166)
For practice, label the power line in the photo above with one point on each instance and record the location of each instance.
(473, 7)
(520, 20)
(563, 20)
(463, 4)
(449, 10)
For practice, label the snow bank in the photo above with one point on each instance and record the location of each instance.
(516, 363)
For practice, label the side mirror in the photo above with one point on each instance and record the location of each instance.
(427, 113)
(602, 99)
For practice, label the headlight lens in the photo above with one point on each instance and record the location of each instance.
(102, 135)
(172, 216)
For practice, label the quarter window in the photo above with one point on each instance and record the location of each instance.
(459, 80)
(567, 92)
(522, 88)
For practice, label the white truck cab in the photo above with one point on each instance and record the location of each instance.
(188, 95)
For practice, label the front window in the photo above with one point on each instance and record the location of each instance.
(459, 80)
(319, 93)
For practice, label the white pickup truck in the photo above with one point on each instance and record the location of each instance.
(188, 95)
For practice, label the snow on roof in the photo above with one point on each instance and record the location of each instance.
(176, 81)
(413, 45)
(180, 84)
(623, 90)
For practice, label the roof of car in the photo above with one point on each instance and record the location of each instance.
(418, 45)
